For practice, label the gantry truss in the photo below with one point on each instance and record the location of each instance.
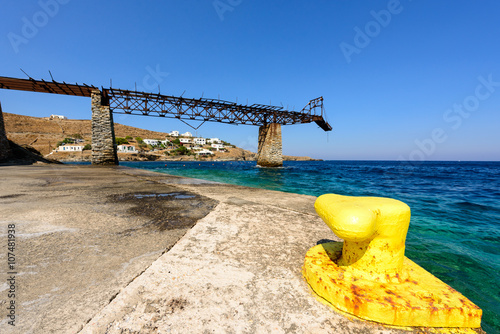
(151, 104)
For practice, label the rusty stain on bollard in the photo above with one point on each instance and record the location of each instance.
(368, 275)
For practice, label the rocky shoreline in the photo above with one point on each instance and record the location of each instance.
(86, 157)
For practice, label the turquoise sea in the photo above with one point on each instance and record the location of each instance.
(455, 226)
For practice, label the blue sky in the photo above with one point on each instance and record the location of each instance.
(402, 80)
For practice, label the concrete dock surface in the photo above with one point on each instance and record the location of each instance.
(122, 250)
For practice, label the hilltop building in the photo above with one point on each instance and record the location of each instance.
(204, 152)
(218, 146)
(214, 141)
(70, 148)
(152, 142)
(57, 117)
(126, 149)
(200, 141)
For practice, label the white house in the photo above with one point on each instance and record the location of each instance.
(187, 134)
(174, 133)
(218, 146)
(70, 148)
(152, 142)
(126, 149)
(199, 141)
(58, 117)
(214, 140)
(165, 142)
(185, 140)
(204, 152)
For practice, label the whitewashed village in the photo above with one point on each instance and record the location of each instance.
(182, 144)
(174, 146)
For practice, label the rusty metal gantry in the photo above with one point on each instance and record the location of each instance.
(151, 104)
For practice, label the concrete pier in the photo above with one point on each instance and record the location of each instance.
(5, 151)
(104, 150)
(270, 148)
(121, 250)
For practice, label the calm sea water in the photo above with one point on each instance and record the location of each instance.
(455, 226)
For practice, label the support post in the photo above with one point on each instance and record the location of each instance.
(103, 133)
(5, 151)
(270, 149)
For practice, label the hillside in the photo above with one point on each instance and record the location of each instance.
(43, 134)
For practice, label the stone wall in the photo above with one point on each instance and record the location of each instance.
(270, 148)
(103, 133)
(5, 151)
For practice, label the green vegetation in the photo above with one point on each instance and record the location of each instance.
(139, 140)
(87, 147)
(65, 141)
(121, 141)
(176, 141)
(182, 151)
(128, 138)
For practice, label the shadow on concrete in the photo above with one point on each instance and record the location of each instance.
(25, 155)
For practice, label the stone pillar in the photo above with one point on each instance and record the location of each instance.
(103, 132)
(270, 151)
(5, 151)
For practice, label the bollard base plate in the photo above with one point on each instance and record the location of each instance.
(419, 300)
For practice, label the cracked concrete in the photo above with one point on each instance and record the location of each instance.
(78, 244)
(91, 261)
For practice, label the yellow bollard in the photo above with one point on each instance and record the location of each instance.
(368, 275)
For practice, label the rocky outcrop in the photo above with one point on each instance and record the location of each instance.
(5, 151)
